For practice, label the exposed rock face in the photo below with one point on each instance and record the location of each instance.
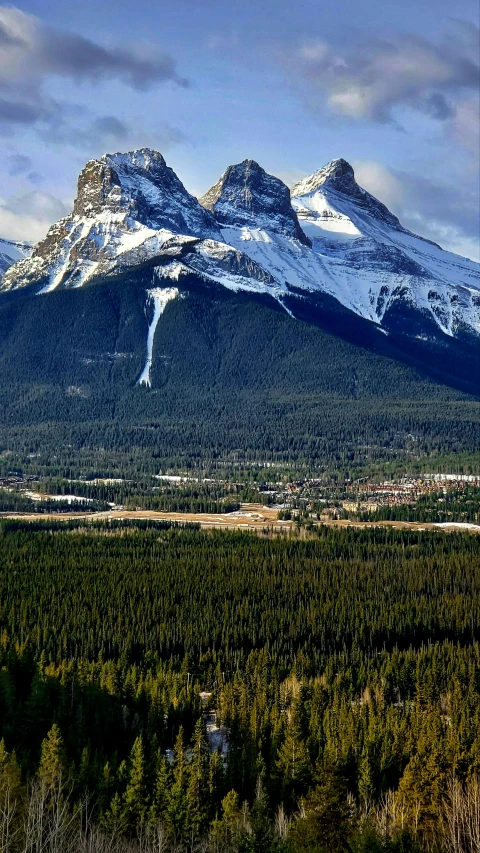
(141, 185)
(247, 195)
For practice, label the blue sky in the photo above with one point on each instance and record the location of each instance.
(392, 87)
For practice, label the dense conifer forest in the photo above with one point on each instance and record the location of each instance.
(169, 689)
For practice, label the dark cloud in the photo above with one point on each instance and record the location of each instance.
(18, 112)
(110, 126)
(371, 79)
(30, 49)
(94, 135)
(21, 165)
(35, 178)
(440, 203)
(18, 164)
(31, 52)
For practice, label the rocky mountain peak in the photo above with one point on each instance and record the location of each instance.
(127, 207)
(337, 175)
(246, 195)
(141, 185)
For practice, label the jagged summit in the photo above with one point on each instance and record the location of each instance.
(10, 252)
(246, 195)
(140, 184)
(337, 174)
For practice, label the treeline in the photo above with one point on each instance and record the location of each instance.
(170, 689)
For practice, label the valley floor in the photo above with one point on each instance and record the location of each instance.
(249, 517)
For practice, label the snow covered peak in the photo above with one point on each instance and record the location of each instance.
(246, 195)
(248, 233)
(338, 174)
(140, 184)
(141, 158)
(128, 207)
(337, 178)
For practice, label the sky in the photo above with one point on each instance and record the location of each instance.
(392, 87)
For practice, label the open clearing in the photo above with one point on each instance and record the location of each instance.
(248, 517)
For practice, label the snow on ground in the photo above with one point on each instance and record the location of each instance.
(462, 525)
(217, 736)
(36, 496)
(160, 297)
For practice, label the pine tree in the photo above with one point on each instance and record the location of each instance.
(162, 789)
(177, 803)
(198, 783)
(114, 820)
(293, 759)
(262, 827)
(365, 777)
(326, 825)
(53, 771)
(136, 796)
(11, 800)
(227, 830)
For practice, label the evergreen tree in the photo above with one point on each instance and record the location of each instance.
(177, 804)
(326, 824)
(136, 794)
(161, 792)
(53, 771)
(198, 783)
(293, 759)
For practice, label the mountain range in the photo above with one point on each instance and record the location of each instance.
(249, 232)
(146, 285)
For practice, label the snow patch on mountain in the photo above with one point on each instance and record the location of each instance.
(160, 298)
(358, 238)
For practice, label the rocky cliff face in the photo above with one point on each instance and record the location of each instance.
(247, 195)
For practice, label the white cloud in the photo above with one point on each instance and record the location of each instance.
(427, 208)
(379, 181)
(29, 216)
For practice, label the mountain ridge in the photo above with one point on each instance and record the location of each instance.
(326, 243)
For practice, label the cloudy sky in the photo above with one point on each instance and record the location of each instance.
(390, 86)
